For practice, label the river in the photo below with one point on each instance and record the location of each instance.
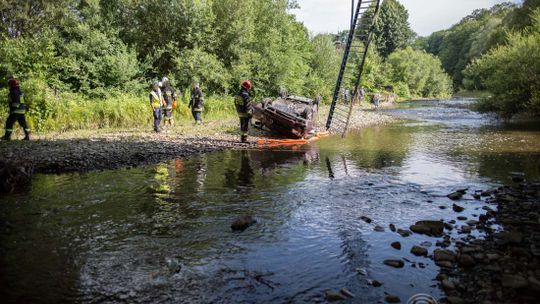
(161, 233)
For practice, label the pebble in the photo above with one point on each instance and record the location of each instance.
(448, 285)
(242, 223)
(404, 233)
(344, 291)
(366, 219)
(378, 228)
(394, 263)
(392, 227)
(455, 196)
(396, 245)
(392, 299)
(466, 261)
(457, 208)
(419, 251)
(428, 227)
(334, 296)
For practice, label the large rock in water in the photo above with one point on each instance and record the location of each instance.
(242, 223)
(14, 177)
(434, 228)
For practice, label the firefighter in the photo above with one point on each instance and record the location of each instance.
(196, 103)
(243, 108)
(156, 103)
(169, 96)
(17, 110)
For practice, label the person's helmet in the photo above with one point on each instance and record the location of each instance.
(246, 84)
(13, 83)
(157, 84)
(164, 79)
(160, 84)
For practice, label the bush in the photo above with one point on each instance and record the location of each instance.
(421, 72)
(512, 74)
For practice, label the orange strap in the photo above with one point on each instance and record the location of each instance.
(270, 143)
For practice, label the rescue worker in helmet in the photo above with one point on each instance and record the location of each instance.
(156, 103)
(196, 103)
(244, 109)
(17, 110)
(169, 96)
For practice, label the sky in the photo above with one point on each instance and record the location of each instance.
(425, 16)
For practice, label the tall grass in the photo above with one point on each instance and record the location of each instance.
(49, 112)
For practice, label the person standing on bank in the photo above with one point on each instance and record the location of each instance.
(196, 103)
(17, 110)
(242, 102)
(156, 103)
(170, 98)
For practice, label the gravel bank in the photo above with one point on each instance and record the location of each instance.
(89, 150)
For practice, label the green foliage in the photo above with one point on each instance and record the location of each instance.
(512, 73)
(421, 72)
(472, 37)
(392, 29)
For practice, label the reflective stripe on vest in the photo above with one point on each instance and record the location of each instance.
(18, 107)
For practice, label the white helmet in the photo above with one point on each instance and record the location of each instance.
(164, 79)
(160, 84)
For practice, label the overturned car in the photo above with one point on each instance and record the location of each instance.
(290, 116)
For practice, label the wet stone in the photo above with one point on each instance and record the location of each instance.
(394, 263)
(374, 283)
(396, 245)
(392, 227)
(378, 228)
(448, 285)
(242, 223)
(457, 208)
(334, 296)
(419, 251)
(344, 291)
(466, 261)
(455, 196)
(434, 228)
(404, 233)
(366, 219)
(392, 299)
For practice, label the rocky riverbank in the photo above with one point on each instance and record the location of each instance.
(503, 266)
(89, 150)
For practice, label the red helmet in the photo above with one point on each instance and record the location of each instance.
(246, 84)
(13, 83)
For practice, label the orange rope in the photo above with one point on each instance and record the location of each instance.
(271, 143)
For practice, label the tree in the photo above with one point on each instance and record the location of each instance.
(392, 29)
(511, 73)
(421, 72)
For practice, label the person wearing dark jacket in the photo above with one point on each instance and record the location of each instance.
(196, 103)
(169, 98)
(17, 110)
(243, 108)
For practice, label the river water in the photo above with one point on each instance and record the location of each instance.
(161, 233)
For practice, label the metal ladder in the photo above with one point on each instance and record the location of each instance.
(349, 79)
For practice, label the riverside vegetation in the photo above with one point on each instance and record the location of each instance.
(88, 64)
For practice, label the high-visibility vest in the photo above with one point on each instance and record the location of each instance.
(157, 101)
(17, 106)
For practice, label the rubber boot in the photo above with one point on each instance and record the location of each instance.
(26, 135)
